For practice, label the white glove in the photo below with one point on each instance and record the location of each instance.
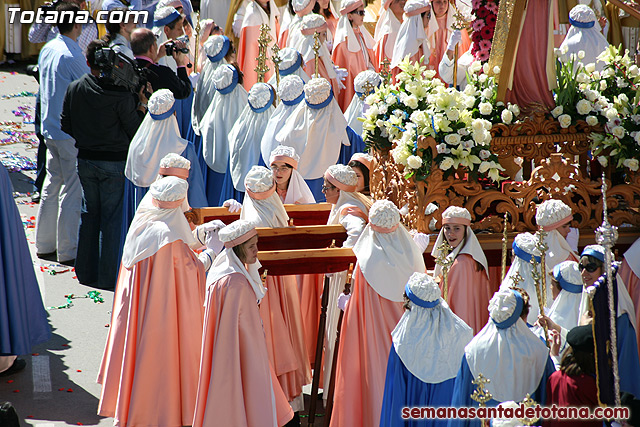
(233, 205)
(573, 237)
(341, 75)
(212, 241)
(422, 240)
(193, 77)
(206, 257)
(343, 300)
(456, 37)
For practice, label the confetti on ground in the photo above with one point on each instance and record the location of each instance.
(14, 162)
(24, 93)
(9, 381)
(93, 295)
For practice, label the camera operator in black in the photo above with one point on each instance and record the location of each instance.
(145, 49)
(102, 118)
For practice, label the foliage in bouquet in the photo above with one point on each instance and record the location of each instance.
(486, 12)
(459, 121)
(607, 97)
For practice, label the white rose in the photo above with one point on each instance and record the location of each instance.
(452, 114)
(582, 78)
(483, 77)
(507, 117)
(581, 54)
(603, 161)
(514, 109)
(557, 111)
(611, 113)
(487, 93)
(565, 120)
(632, 164)
(411, 102)
(446, 163)
(583, 106)
(485, 68)
(592, 120)
(477, 124)
(496, 70)
(485, 108)
(452, 139)
(590, 68)
(634, 71)
(414, 162)
(603, 85)
(618, 132)
(390, 99)
(475, 67)
(485, 154)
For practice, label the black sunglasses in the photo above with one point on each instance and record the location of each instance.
(591, 267)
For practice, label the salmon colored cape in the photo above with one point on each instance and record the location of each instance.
(310, 287)
(248, 52)
(236, 378)
(365, 342)
(632, 282)
(310, 68)
(284, 331)
(468, 294)
(354, 63)
(379, 52)
(149, 370)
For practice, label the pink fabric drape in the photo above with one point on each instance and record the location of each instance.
(632, 282)
(149, 370)
(365, 343)
(236, 379)
(247, 54)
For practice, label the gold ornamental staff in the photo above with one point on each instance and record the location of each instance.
(445, 262)
(263, 43)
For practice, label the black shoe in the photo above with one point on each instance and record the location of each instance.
(69, 263)
(35, 197)
(51, 256)
(18, 365)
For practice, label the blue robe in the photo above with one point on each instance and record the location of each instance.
(23, 318)
(357, 146)
(628, 364)
(403, 389)
(463, 389)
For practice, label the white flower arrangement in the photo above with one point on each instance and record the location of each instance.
(161, 101)
(460, 121)
(290, 87)
(424, 287)
(502, 305)
(260, 95)
(259, 179)
(384, 213)
(317, 90)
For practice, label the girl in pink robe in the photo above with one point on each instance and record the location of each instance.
(258, 12)
(629, 273)
(468, 291)
(352, 47)
(386, 30)
(237, 386)
(439, 31)
(387, 257)
(149, 369)
(311, 24)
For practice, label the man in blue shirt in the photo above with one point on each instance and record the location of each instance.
(61, 61)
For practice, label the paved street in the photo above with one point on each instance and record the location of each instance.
(58, 387)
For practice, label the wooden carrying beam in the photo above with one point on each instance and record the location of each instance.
(313, 214)
(306, 261)
(303, 237)
(631, 10)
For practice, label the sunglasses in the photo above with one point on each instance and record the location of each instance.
(358, 12)
(327, 188)
(591, 267)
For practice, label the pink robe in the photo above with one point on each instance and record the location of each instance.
(247, 54)
(468, 294)
(236, 379)
(379, 52)
(365, 343)
(149, 370)
(310, 287)
(442, 40)
(284, 331)
(354, 63)
(632, 282)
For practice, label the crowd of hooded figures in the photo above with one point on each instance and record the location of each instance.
(199, 338)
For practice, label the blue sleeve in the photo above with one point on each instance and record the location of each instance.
(461, 395)
(628, 363)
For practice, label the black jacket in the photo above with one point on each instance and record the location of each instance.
(102, 118)
(163, 77)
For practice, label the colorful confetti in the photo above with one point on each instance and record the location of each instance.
(15, 163)
(92, 295)
(24, 93)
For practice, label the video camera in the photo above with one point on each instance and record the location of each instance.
(118, 69)
(171, 46)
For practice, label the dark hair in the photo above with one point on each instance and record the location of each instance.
(67, 20)
(240, 252)
(406, 302)
(324, 12)
(575, 362)
(365, 174)
(240, 74)
(112, 27)
(290, 7)
(91, 52)
(232, 50)
(142, 40)
(172, 24)
(526, 307)
(592, 259)
(555, 283)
